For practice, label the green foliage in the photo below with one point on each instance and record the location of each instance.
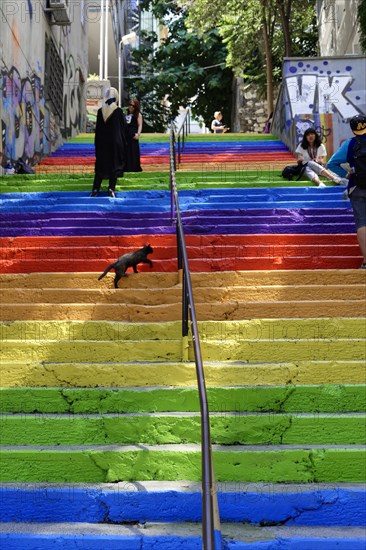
(186, 69)
(240, 23)
(361, 16)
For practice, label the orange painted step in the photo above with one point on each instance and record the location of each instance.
(196, 265)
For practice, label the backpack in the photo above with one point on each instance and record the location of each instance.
(359, 156)
(23, 168)
(293, 171)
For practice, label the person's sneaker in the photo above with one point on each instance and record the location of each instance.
(321, 185)
(93, 194)
(363, 265)
(111, 194)
(341, 181)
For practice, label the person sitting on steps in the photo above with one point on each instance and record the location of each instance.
(312, 152)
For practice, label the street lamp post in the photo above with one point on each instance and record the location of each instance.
(101, 40)
(126, 39)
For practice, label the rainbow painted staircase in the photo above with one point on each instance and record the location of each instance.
(100, 429)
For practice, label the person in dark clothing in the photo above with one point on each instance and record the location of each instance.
(351, 159)
(134, 122)
(110, 143)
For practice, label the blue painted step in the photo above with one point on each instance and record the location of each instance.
(132, 502)
(174, 537)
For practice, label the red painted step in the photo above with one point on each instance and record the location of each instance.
(206, 252)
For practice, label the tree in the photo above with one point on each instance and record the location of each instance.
(258, 34)
(284, 8)
(185, 69)
(361, 16)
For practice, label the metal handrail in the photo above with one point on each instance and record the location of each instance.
(211, 532)
(183, 130)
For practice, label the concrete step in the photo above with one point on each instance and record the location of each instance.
(205, 252)
(211, 176)
(254, 280)
(258, 331)
(172, 295)
(254, 263)
(272, 340)
(88, 170)
(251, 463)
(315, 399)
(227, 428)
(333, 504)
(172, 536)
(168, 373)
(110, 254)
(136, 311)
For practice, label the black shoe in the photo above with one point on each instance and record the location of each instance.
(94, 194)
(111, 193)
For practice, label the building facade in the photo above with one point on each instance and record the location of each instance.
(338, 27)
(327, 91)
(43, 72)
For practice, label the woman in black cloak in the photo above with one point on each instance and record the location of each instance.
(110, 143)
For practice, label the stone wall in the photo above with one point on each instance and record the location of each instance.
(251, 109)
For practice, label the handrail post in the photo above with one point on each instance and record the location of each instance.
(184, 306)
(171, 198)
(185, 300)
(174, 154)
(179, 255)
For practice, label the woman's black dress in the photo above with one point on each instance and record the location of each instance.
(110, 145)
(133, 146)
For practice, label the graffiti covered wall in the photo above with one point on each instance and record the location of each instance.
(324, 93)
(30, 127)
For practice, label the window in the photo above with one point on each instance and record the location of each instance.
(54, 77)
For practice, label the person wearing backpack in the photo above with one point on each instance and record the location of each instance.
(353, 153)
(311, 154)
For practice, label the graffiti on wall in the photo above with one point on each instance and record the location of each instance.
(71, 96)
(322, 93)
(26, 129)
(24, 116)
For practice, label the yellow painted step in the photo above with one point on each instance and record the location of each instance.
(165, 312)
(256, 329)
(140, 374)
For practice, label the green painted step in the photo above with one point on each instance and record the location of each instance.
(149, 180)
(177, 462)
(160, 137)
(172, 428)
(321, 398)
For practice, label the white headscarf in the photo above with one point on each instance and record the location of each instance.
(107, 110)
